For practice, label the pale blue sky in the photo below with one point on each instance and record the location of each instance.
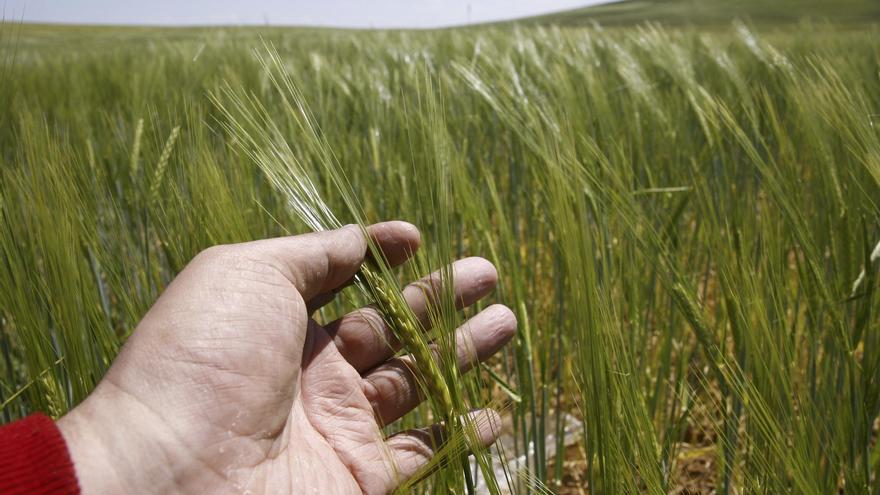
(341, 13)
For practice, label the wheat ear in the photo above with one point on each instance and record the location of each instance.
(405, 327)
(159, 175)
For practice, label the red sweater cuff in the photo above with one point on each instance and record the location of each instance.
(34, 459)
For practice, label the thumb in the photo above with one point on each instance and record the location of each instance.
(320, 262)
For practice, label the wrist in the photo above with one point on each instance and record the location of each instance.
(111, 448)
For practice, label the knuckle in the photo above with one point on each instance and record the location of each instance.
(221, 254)
(212, 253)
(371, 392)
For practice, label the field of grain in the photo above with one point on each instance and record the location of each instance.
(683, 220)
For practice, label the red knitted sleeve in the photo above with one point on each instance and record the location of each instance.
(34, 459)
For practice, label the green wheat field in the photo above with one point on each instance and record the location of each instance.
(685, 219)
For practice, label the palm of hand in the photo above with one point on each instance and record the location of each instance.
(281, 400)
(246, 393)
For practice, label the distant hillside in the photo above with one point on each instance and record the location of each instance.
(701, 12)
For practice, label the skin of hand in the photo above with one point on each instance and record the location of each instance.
(228, 385)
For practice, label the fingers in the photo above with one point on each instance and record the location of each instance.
(365, 340)
(413, 449)
(392, 388)
(320, 262)
(397, 240)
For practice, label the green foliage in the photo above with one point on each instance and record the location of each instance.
(678, 218)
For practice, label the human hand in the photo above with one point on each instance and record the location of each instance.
(228, 385)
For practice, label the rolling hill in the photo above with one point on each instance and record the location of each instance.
(720, 12)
